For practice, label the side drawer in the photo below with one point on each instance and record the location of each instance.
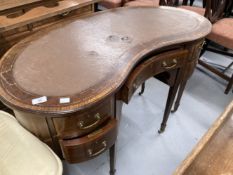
(90, 146)
(165, 62)
(79, 124)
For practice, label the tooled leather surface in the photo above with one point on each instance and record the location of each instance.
(93, 56)
(77, 56)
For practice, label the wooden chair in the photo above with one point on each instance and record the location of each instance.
(221, 34)
(21, 153)
(169, 2)
(199, 10)
(153, 3)
(185, 2)
(149, 3)
(229, 8)
(109, 4)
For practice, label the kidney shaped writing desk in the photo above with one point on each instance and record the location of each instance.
(66, 84)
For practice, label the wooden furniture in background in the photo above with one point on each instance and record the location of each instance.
(8, 4)
(199, 10)
(109, 4)
(221, 34)
(214, 153)
(23, 18)
(229, 8)
(145, 3)
(190, 2)
(70, 93)
(151, 3)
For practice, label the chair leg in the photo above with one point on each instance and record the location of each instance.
(229, 86)
(170, 99)
(185, 2)
(228, 67)
(191, 2)
(178, 98)
(204, 4)
(112, 153)
(176, 3)
(142, 89)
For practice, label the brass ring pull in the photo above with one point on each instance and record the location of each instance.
(97, 117)
(65, 14)
(90, 151)
(166, 66)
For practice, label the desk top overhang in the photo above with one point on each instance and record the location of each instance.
(87, 60)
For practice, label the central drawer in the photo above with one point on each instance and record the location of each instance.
(164, 62)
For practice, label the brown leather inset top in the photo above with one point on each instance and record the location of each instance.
(88, 59)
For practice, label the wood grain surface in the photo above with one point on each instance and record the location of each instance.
(10, 37)
(214, 153)
(7, 4)
(40, 13)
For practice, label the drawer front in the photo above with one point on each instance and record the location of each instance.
(195, 50)
(165, 62)
(90, 146)
(79, 124)
(61, 17)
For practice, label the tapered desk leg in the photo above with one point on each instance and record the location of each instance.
(142, 89)
(229, 86)
(178, 98)
(171, 97)
(112, 153)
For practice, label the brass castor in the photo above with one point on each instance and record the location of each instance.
(112, 172)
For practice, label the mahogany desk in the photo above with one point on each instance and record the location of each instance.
(214, 153)
(66, 84)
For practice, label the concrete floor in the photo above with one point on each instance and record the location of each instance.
(140, 149)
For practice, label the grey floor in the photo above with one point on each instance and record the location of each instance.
(140, 149)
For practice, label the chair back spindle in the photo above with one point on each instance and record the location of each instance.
(215, 9)
(169, 2)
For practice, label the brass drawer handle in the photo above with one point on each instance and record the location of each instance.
(201, 45)
(166, 66)
(97, 117)
(65, 14)
(90, 151)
